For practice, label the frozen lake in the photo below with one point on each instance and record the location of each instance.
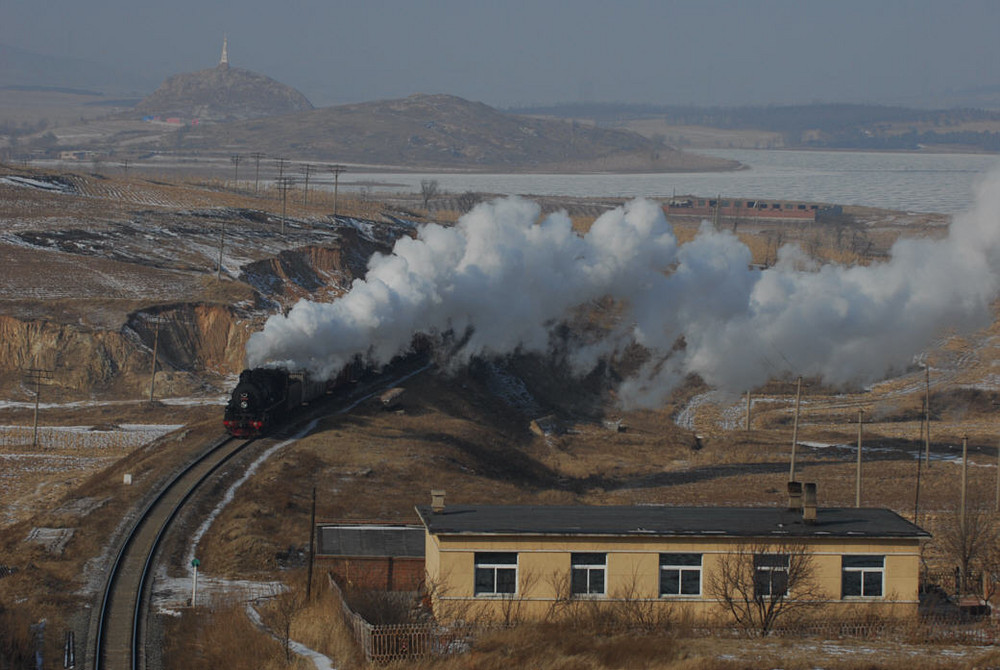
(912, 182)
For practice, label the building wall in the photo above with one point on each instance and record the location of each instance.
(379, 573)
(543, 570)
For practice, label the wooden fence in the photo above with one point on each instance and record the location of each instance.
(396, 642)
(387, 643)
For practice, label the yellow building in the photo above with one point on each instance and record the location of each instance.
(506, 561)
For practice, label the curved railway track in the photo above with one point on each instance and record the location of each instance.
(118, 640)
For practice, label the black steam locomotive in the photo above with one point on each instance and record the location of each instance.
(264, 397)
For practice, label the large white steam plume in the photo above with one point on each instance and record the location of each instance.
(508, 278)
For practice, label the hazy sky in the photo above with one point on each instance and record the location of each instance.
(541, 51)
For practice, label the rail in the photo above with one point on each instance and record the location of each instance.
(111, 599)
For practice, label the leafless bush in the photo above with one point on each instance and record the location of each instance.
(16, 643)
(760, 584)
(384, 608)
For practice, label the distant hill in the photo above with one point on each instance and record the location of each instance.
(442, 131)
(21, 68)
(222, 93)
(816, 126)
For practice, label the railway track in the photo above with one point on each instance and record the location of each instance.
(118, 641)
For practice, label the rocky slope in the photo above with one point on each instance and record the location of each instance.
(424, 131)
(98, 271)
(222, 94)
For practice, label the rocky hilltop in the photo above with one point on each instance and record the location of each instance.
(222, 93)
(444, 131)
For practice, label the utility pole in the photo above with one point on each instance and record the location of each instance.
(306, 169)
(927, 414)
(998, 480)
(916, 496)
(156, 321)
(312, 546)
(336, 170)
(284, 183)
(282, 163)
(222, 242)
(965, 485)
(124, 164)
(746, 425)
(36, 376)
(857, 491)
(256, 156)
(236, 158)
(795, 428)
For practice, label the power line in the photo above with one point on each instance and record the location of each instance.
(36, 376)
(236, 158)
(336, 170)
(284, 183)
(156, 320)
(256, 156)
(306, 169)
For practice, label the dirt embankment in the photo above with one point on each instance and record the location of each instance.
(193, 339)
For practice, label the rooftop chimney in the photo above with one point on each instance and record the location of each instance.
(794, 496)
(809, 503)
(437, 500)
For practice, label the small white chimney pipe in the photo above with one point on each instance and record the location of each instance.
(437, 500)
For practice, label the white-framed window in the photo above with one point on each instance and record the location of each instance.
(680, 574)
(496, 573)
(587, 574)
(770, 577)
(862, 576)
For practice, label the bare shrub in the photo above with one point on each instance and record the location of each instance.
(219, 637)
(760, 584)
(384, 608)
(16, 640)
(969, 543)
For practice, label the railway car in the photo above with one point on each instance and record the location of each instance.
(264, 397)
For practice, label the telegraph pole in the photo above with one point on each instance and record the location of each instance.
(746, 425)
(857, 492)
(306, 169)
(256, 156)
(312, 546)
(284, 183)
(236, 158)
(156, 321)
(965, 483)
(222, 242)
(927, 414)
(795, 428)
(36, 376)
(998, 480)
(336, 170)
(282, 163)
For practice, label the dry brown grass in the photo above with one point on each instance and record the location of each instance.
(222, 636)
(452, 433)
(559, 646)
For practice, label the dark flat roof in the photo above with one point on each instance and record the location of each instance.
(664, 521)
(370, 540)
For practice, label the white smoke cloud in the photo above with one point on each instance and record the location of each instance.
(507, 278)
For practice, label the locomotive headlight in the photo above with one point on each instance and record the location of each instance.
(244, 404)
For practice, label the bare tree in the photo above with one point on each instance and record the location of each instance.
(428, 190)
(761, 583)
(970, 543)
(467, 201)
(285, 608)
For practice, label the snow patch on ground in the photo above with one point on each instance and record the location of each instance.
(231, 492)
(320, 661)
(56, 186)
